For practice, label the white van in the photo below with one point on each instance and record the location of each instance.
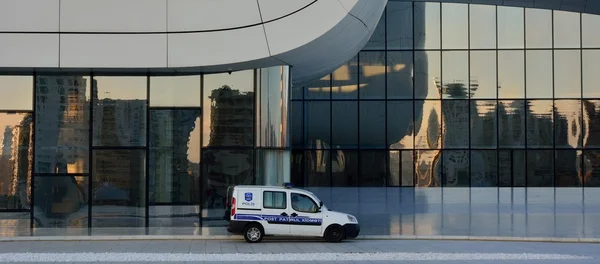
(258, 211)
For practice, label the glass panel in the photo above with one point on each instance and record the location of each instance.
(15, 224)
(591, 73)
(297, 92)
(345, 81)
(173, 216)
(567, 74)
(540, 168)
(120, 111)
(318, 168)
(456, 168)
(61, 201)
(344, 124)
(568, 124)
(566, 29)
(175, 91)
(428, 124)
(17, 92)
(16, 149)
(427, 74)
(297, 118)
(455, 26)
(297, 168)
(484, 168)
(407, 168)
(62, 124)
(317, 124)
(229, 121)
(591, 136)
(317, 89)
(372, 75)
(399, 25)
(274, 200)
(510, 27)
(540, 124)
(174, 156)
(400, 168)
(303, 203)
(590, 36)
(344, 168)
(427, 25)
(483, 26)
(372, 168)
(511, 164)
(455, 69)
(483, 74)
(455, 123)
(400, 124)
(568, 168)
(538, 27)
(400, 75)
(511, 74)
(539, 74)
(483, 124)
(511, 122)
(427, 168)
(118, 188)
(592, 168)
(372, 124)
(377, 41)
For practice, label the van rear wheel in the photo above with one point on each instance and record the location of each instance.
(335, 234)
(253, 233)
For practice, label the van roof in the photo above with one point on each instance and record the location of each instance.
(266, 186)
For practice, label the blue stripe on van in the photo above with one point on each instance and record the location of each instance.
(278, 219)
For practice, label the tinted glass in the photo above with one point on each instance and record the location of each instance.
(589, 36)
(174, 156)
(399, 25)
(274, 200)
(317, 124)
(568, 124)
(15, 160)
(428, 124)
(484, 168)
(567, 74)
(483, 74)
(427, 74)
(428, 165)
(482, 26)
(229, 121)
(540, 124)
(511, 122)
(540, 168)
(175, 91)
(539, 74)
(118, 185)
(400, 168)
(345, 81)
(455, 120)
(161, 216)
(538, 28)
(400, 75)
(511, 74)
(568, 168)
(591, 73)
(400, 124)
(377, 41)
(566, 29)
(427, 25)
(372, 168)
(483, 124)
(592, 120)
(456, 168)
(120, 111)
(511, 164)
(296, 127)
(511, 27)
(344, 168)
(315, 89)
(17, 92)
(60, 201)
(372, 124)
(455, 69)
(303, 203)
(62, 124)
(455, 26)
(317, 168)
(593, 170)
(372, 74)
(344, 124)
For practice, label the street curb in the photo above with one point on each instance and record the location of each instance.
(239, 238)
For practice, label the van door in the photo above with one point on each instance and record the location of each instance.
(275, 212)
(305, 219)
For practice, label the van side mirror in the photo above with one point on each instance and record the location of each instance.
(320, 204)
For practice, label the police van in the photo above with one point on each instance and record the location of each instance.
(258, 211)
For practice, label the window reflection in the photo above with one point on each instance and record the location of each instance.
(510, 27)
(399, 75)
(62, 124)
(372, 168)
(344, 81)
(484, 168)
(120, 111)
(511, 122)
(456, 168)
(591, 121)
(317, 120)
(591, 176)
(539, 74)
(173, 216)
(455, 122)
(344, 168)
(511, 164)
(344, 124)
(567, 74)
(318, 167)
(399, 25)
(427, 25)
(538, 28)
(400, 168)
(511, 74)
(427, 74)
(568, 168)
(483, 74)
(566, 29)
(483, 124)
(568, 124)
(175, 91)
(455, 69)
(427, 168)
(540, 168)
(372, 74)
(61, 201)
(455, 26)
(540, 124)
(228, 109)
(372, 124)
(482, 26)
(17, 92)
(296, 127)
(174, 156)
(428, 125)
(16, 153)
(589, 36)
(377, 41)
(315, 89)
(591, 73)
(400, 125)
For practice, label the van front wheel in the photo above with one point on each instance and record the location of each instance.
(334, 234)
(253, 233)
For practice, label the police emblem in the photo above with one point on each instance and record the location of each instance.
(248, 196)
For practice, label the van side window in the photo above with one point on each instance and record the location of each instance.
(274, 200)
(303, 203)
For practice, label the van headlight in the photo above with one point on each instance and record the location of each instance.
(351, 219)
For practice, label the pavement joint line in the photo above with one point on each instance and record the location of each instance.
(240, 238)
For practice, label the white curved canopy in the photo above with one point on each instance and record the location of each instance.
(168, 36)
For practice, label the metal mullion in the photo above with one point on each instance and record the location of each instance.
(200, 172)
(119, 147)
(147, 148)
(157, 108)
(62, 174)
(385, 96)
(33, 135)
(91, 120)
(497, 118)
(7, 211)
